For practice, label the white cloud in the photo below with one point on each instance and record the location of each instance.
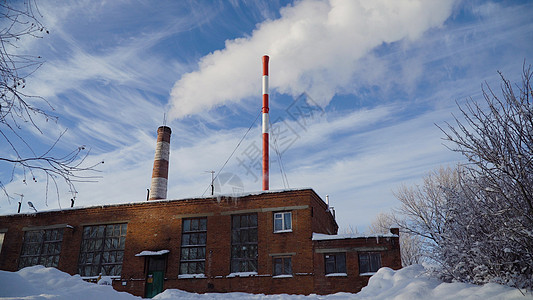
(314, 47)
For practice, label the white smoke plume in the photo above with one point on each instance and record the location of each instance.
(314, 47)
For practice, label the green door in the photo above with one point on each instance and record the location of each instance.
(155, 275)
(154, 283)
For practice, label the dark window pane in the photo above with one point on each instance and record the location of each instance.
(41, 247)
(102, 249)
(330, 263)
(253, 220)
(192, 260)
(278, 266)
(287, 221)
(185, 239)
(184, 254)
(244, 243)
(203, 224)
(202, 237)
(235, 222)
(341, 263)
(278, 224)
(364, 263)
(287, 266)
(183, 268)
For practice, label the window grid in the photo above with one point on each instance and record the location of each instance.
(282, 265)
(283, 221)
(244, 243)
(193, 242)
(335, 263)
(102, 250)
(369, 262)
(41, 247)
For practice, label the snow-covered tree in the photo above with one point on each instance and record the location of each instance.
(478, 217)
(423, 211)
(489, 228)
(410, 244)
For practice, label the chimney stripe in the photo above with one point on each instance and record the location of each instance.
(265, 84)
(159, 183)
(265, 128)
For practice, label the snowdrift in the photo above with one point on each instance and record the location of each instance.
(409, 283)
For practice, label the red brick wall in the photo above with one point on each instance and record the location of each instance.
(390, 257)
(156, 225)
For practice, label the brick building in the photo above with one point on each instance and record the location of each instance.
(267, 242)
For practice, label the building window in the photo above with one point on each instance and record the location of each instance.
(369, 262)
(41, 247)
(335, 263)
(283, 221)
(193, 241)
(102, 250)
(244, 243)
(2, 235)
(282, 265)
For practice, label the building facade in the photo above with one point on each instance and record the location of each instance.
(269, 242)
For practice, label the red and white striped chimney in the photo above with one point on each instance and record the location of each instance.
(158, 189)
(265, 123)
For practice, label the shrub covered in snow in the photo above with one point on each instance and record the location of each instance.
(478, 218)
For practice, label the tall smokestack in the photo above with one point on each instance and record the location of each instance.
(158, 189)
(265, 122)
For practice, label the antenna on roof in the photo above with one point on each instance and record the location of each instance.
(20, 202)
(212, 181)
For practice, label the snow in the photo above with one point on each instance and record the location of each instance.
(242, 274)
(144, 202)
(410, 283)
(190, 276)
(282, 276)
(105, 280)
(149, 253)
(336, 275)
(38, 282)
(324, 237)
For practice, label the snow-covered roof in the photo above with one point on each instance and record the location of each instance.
(324, 237)
(152, 253)
(140, 202)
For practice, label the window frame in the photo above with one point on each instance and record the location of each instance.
(284, 227)
(371, 264)
(244, 243)
(339, 263)
(105, 249)
(47, 244)
(283, 272)
(2, 237)
(198, 250)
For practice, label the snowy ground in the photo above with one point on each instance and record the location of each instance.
(409, 283)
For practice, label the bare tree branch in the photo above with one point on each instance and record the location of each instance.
(20, 112)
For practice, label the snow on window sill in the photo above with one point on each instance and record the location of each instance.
(116, 277)
(241, 274)
(283, 231)
(152, 253)
(367, 274)
(190, 276)
(282, 276)
(336, 275)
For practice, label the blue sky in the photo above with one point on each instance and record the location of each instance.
(378, 76)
